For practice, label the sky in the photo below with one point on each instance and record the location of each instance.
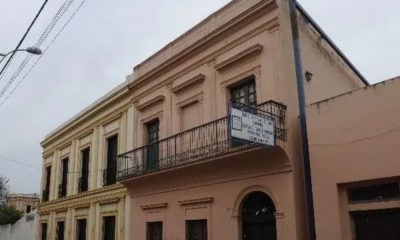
(106, 39)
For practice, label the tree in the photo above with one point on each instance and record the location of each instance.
(4, 191)
(8, 214)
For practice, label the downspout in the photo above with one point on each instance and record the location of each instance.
(303, 122)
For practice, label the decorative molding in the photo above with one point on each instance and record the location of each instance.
(196, 201)
(248, 52)
(209, 59)
(111, 119)
(152, 117)
(285, 169)
(153, 101)
(189, 83)
(255, 71)
(144, 72)
(198, 98)
(154, 206)
(86, 199)
(274, 25)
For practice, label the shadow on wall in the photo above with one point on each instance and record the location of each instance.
(24, 229)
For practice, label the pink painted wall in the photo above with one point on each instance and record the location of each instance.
(353, 138)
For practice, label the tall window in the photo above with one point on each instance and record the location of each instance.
(109, 228)
(245, 93)
(43, 229)
(46, 190)
(154, 230)
(84, 179)
(112, 154)
(196, 229)
(81, 229)
(153, 129)
(60, 231)
(62, 188)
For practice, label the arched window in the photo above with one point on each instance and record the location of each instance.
(258, 217)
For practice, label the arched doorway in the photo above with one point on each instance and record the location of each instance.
(258, 217)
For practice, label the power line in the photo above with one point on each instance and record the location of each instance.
(23, 38)
(18, 162)
(61, 11)
(44, 51)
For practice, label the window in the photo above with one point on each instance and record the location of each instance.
(153, 129)
(154, 230)
(244, 93)
(109, 228)
(62, 188)
(81, 229)
(46, 189)
(28, 208)
(380, 192)
(43, 230)
(112, 154)
(196, 229)
(84, 179)
(60, 231)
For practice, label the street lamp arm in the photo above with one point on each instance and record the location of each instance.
(32, 50)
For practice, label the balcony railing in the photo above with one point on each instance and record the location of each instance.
(62, 190)
(45, 195)
(109, 176)
(199, 143)
(82, 184)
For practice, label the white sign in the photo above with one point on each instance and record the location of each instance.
(251, 127)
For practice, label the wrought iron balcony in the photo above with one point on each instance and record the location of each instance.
(45, 195)
(82, 184)
(199, 143)
(62, 190)
(109, 176)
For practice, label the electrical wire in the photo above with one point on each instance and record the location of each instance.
(62, 10)
(2, 157)
(23, 38)
(356, 140)
(44, 51)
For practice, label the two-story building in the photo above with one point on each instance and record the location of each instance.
(81, 198)
(186, 176)
(181, 174)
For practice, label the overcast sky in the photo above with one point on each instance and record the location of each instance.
(107, 38)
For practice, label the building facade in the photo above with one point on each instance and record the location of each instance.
(81, 198)
(186, 177)
(23, 202)
(179, 173)
(354, 149)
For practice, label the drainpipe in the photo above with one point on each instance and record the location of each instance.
(303, 122)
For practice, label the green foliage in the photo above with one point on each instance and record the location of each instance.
(3, 190)
(9, 215)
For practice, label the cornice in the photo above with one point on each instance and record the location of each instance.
(153, 101)
(87, 113)
(101, 196)
(196, 201)
(87, 130)
(248, 52)
(209, 59)
(198, 98)
(186, 84)
(154, 206)
(251, 12)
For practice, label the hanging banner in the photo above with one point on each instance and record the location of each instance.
(252, 128)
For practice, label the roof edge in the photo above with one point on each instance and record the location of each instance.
(331, 43)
